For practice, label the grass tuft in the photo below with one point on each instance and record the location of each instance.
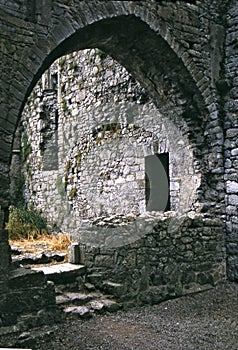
(25, 223)
(45, 241)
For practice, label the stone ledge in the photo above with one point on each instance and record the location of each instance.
(23, 278)
(38, 258)
(62, 273)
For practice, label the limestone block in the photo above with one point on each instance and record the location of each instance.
(232, 187)
(82, 311)
(174, 186)
(234, 152)
(74, 253)
(233, 199)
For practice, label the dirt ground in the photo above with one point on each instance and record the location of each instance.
(202, 321)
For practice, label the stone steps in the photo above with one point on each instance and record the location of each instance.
(62, 273)
(77, 294)
(85, 305)
(75, 297)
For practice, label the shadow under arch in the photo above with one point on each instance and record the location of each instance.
(145, 54)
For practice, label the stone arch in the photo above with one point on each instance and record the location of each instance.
(122, 36)
(139, 35)
(155, 17)
(145, 53)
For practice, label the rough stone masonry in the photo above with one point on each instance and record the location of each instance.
(86, 131)
(184, 55)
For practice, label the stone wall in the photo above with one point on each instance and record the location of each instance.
(176, 67)
(26, 298)
(86, 130)
(5, 251)
(229, 93)
(155, 257)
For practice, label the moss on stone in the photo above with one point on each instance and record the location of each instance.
(72, 193)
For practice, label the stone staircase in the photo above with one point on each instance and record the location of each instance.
(77, 294)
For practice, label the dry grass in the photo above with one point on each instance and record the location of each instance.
(45, 241)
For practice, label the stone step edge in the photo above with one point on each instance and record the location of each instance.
(58, 272)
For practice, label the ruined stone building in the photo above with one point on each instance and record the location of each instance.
(125, 114)
(91, 132)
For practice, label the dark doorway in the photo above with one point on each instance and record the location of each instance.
(157, 182)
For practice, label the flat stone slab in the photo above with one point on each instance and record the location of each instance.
(82, 311)
(62, 273)
(73, 298)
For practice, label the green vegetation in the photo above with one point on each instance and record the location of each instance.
(62, 61)
(60, 186)
(72, 193)
(79, 157)
(100, 54)
(28, 171)
(64, 105)
(25, 149)
(25, 223)
(68, 166)
(73, 65)
(17, 195)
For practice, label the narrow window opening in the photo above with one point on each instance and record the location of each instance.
(157, 193)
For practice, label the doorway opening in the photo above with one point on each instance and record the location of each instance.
(157, 189)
